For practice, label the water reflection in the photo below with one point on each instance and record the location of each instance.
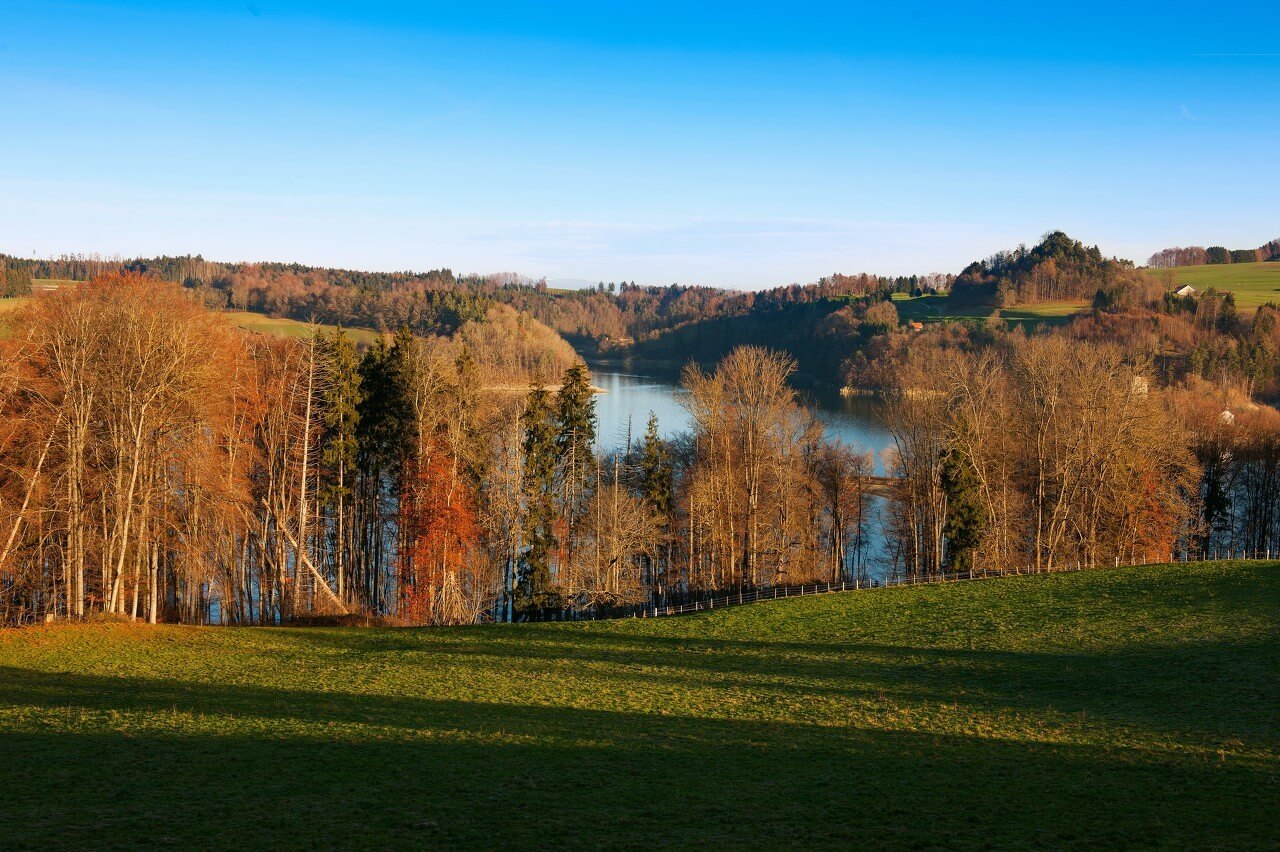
(623, 410)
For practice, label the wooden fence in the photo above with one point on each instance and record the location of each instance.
(769, 593)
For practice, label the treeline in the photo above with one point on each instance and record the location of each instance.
(601, 319)
(651, 322)
(1047, 452)
(1201, 256)
(161, 465)
(823, 337)
(15, 280)
(429, 303)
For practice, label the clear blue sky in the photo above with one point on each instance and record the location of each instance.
(743, 144)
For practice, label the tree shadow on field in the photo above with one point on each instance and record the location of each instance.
(255, 766)
(1195, 691)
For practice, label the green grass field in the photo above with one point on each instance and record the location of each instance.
(1254, 284)
(936, 309)
(1127, 708)
(247, 320)
(282, 327)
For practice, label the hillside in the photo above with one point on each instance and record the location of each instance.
(1254, 284)
(1120, 708)
(282, 327)
(927, 309)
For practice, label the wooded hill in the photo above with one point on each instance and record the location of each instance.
(605, 319)
(1055, 269)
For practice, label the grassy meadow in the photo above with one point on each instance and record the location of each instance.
(937, 309)
(1254, 284)
(1133, 707)
(282, 327)
(248, 320)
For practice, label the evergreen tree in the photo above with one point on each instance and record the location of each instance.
(387, 436)
(655, 470)
(576, 435)
(575, 441)
(965, 514)
(340, 443)
(535, 593)
(387, 412)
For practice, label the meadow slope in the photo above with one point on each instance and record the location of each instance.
(1135, 707)
(1254, 284)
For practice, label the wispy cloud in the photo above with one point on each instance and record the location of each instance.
(1186, 112)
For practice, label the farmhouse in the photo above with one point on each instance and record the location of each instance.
(1185, 290)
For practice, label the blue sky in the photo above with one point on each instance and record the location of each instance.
(739, 144)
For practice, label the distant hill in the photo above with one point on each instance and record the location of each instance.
(1057, 269)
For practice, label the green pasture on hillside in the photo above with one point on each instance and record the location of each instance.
(1253, 284)
(283, 327)
(247, 320)
(938, 309)
(1117, 708)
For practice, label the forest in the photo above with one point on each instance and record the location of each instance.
(163, 465)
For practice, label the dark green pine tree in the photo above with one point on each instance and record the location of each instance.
(965, 514)
(387, 436)
(387, 410)
(535, 594)
(575, 438)
(340, 446)
(655, 470)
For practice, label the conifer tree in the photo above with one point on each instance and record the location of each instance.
(965, 517)
(576, 435)
(655, 470)
(535, 593)
(341, 418)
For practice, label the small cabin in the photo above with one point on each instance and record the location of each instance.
(1185, 290)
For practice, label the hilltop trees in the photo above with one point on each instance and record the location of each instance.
(1055, 269)
(1199, 256)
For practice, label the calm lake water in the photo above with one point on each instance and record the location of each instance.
(629, 397)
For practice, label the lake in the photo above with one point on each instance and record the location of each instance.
(629, 397)
(623, 409)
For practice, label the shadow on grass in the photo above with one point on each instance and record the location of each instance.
(399, 770)
(1195, 691)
